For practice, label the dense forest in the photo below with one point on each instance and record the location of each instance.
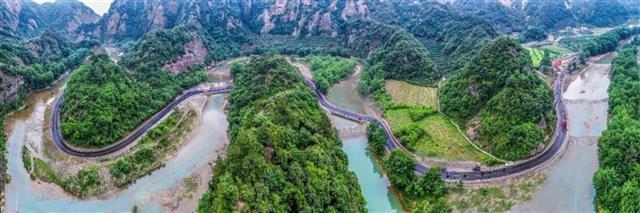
(104, 101)
(500, 96)
(41, 60)
(89, 115)
(459, 36)
(617, 181)
(329, 70)
(604, 43)
(532, 34)
(276, 126)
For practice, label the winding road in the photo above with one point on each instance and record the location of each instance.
(392, 142)
(59, 141)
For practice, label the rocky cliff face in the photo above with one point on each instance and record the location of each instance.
(68, 15)
(130, 19)
(301, 17)
(18, 17)
(195, 52)
(9, 87)
(25, 18)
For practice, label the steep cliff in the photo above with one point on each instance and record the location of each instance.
(19, 17)
(9, 87)
(25, 18)
(68, 15)
(130, 19)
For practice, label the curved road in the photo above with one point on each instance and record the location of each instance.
(59, 141)
(392, 142)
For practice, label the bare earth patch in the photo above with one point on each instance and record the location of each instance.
(496, 198)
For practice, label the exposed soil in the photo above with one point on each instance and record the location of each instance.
(194, 53)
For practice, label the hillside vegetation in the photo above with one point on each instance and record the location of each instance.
(502, 99)
(329, 70)
(604, 43)
(617, 181)
(104, 101)
(459, 35)
(276, 127)
(30, 65)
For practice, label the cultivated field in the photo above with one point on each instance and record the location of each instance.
(406, 93)
(553, 51)
(442, 139)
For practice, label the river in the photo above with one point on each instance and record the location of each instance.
(569, 185)
(373, 183)
(155, 192)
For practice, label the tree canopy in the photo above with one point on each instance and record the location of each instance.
(500, 89)
(618, 178)
(277, 127)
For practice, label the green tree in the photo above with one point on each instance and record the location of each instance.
(520, 142)
(377, 139)
(400, 168)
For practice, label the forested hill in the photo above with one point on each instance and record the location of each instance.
(35, 63)
(512, 15)
(105, 101)
(460, 36)
(617, 181)
(501, 99)
(277, 128)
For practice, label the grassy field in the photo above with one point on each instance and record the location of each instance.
(536, 56)
(44, 172)
(409, 94)
(553, 51)
(443, 140)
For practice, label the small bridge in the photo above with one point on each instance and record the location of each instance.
(392, 142)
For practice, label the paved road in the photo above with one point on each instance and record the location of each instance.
(124, 142)
(392, 142)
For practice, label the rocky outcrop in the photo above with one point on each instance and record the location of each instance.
(19, 17)
(9, 87)
(25, 18)
(195, 52)
(68, 15)
(130, 19)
